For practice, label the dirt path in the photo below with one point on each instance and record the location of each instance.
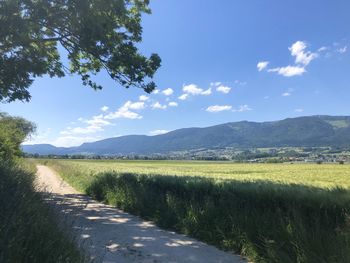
(111, 235)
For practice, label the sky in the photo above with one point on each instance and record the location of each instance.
(222, 61)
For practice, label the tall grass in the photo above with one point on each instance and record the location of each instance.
(266, 222)
(263, 220)
(29, 231)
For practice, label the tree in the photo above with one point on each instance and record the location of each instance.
(13, 131)
(95, 35)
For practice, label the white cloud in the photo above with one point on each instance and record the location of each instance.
(158, 132)
(218, 108)
(135, 105)
(299, 110)
(262, 65)
(286, 94)
(223, 89)
(69, 141)
(168, 92)
(301, 56)
(155, 91)
(342, 50)
(289, 71)
(124, 111)
(104, 108)
(183, 97)
(242, 83)
(95, 124)
(83, 130)
(215, 83)
(98, 121)
(192, 89)
(321, 49)
(302, 59)
(243, 108)
(173, 104)
(143, 98)
(157, 105)
(206, 92)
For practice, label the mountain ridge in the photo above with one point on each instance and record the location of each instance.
(306, 131)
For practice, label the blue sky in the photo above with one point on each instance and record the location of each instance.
(222, 61)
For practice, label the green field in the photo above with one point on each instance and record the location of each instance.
(266, 212)
(315, 175)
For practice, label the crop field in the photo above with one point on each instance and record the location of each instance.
(266, 212)
(326, 176)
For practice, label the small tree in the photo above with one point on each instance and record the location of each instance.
(13, 131)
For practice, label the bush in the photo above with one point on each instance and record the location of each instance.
(264, 221)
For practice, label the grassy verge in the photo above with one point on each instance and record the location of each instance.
(29, 231)
(266, 221)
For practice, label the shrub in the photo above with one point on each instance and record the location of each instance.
(28, 229)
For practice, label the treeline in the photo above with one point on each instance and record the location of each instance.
(29, 231)
(240, 157)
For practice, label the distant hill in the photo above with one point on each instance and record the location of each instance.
(311, 131)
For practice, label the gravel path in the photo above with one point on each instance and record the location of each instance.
(111, 235)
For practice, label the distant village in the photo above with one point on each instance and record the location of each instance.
(259, 155)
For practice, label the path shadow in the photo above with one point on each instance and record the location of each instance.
(111, 235)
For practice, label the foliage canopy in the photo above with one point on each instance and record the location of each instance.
(13, 131)
(95, 35)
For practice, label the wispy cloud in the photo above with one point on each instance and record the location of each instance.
(139, 105)
(173, 104)
(143, 98)
(157, 105)
(242, 108)
(124, 111)
(104, 108)
(218, 108)
(183, 97)
(206, 92)
(289, 71)
(158, 132)
(342, 50)
(192, 89)
(223, 89)
(262, 65)
(69, 141)
(299, 110)
(286, 94)
(94, 125)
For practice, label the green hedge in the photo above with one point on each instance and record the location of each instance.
(29, 231)
(264, 221)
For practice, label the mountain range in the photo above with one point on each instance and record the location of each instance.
(309, 131)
